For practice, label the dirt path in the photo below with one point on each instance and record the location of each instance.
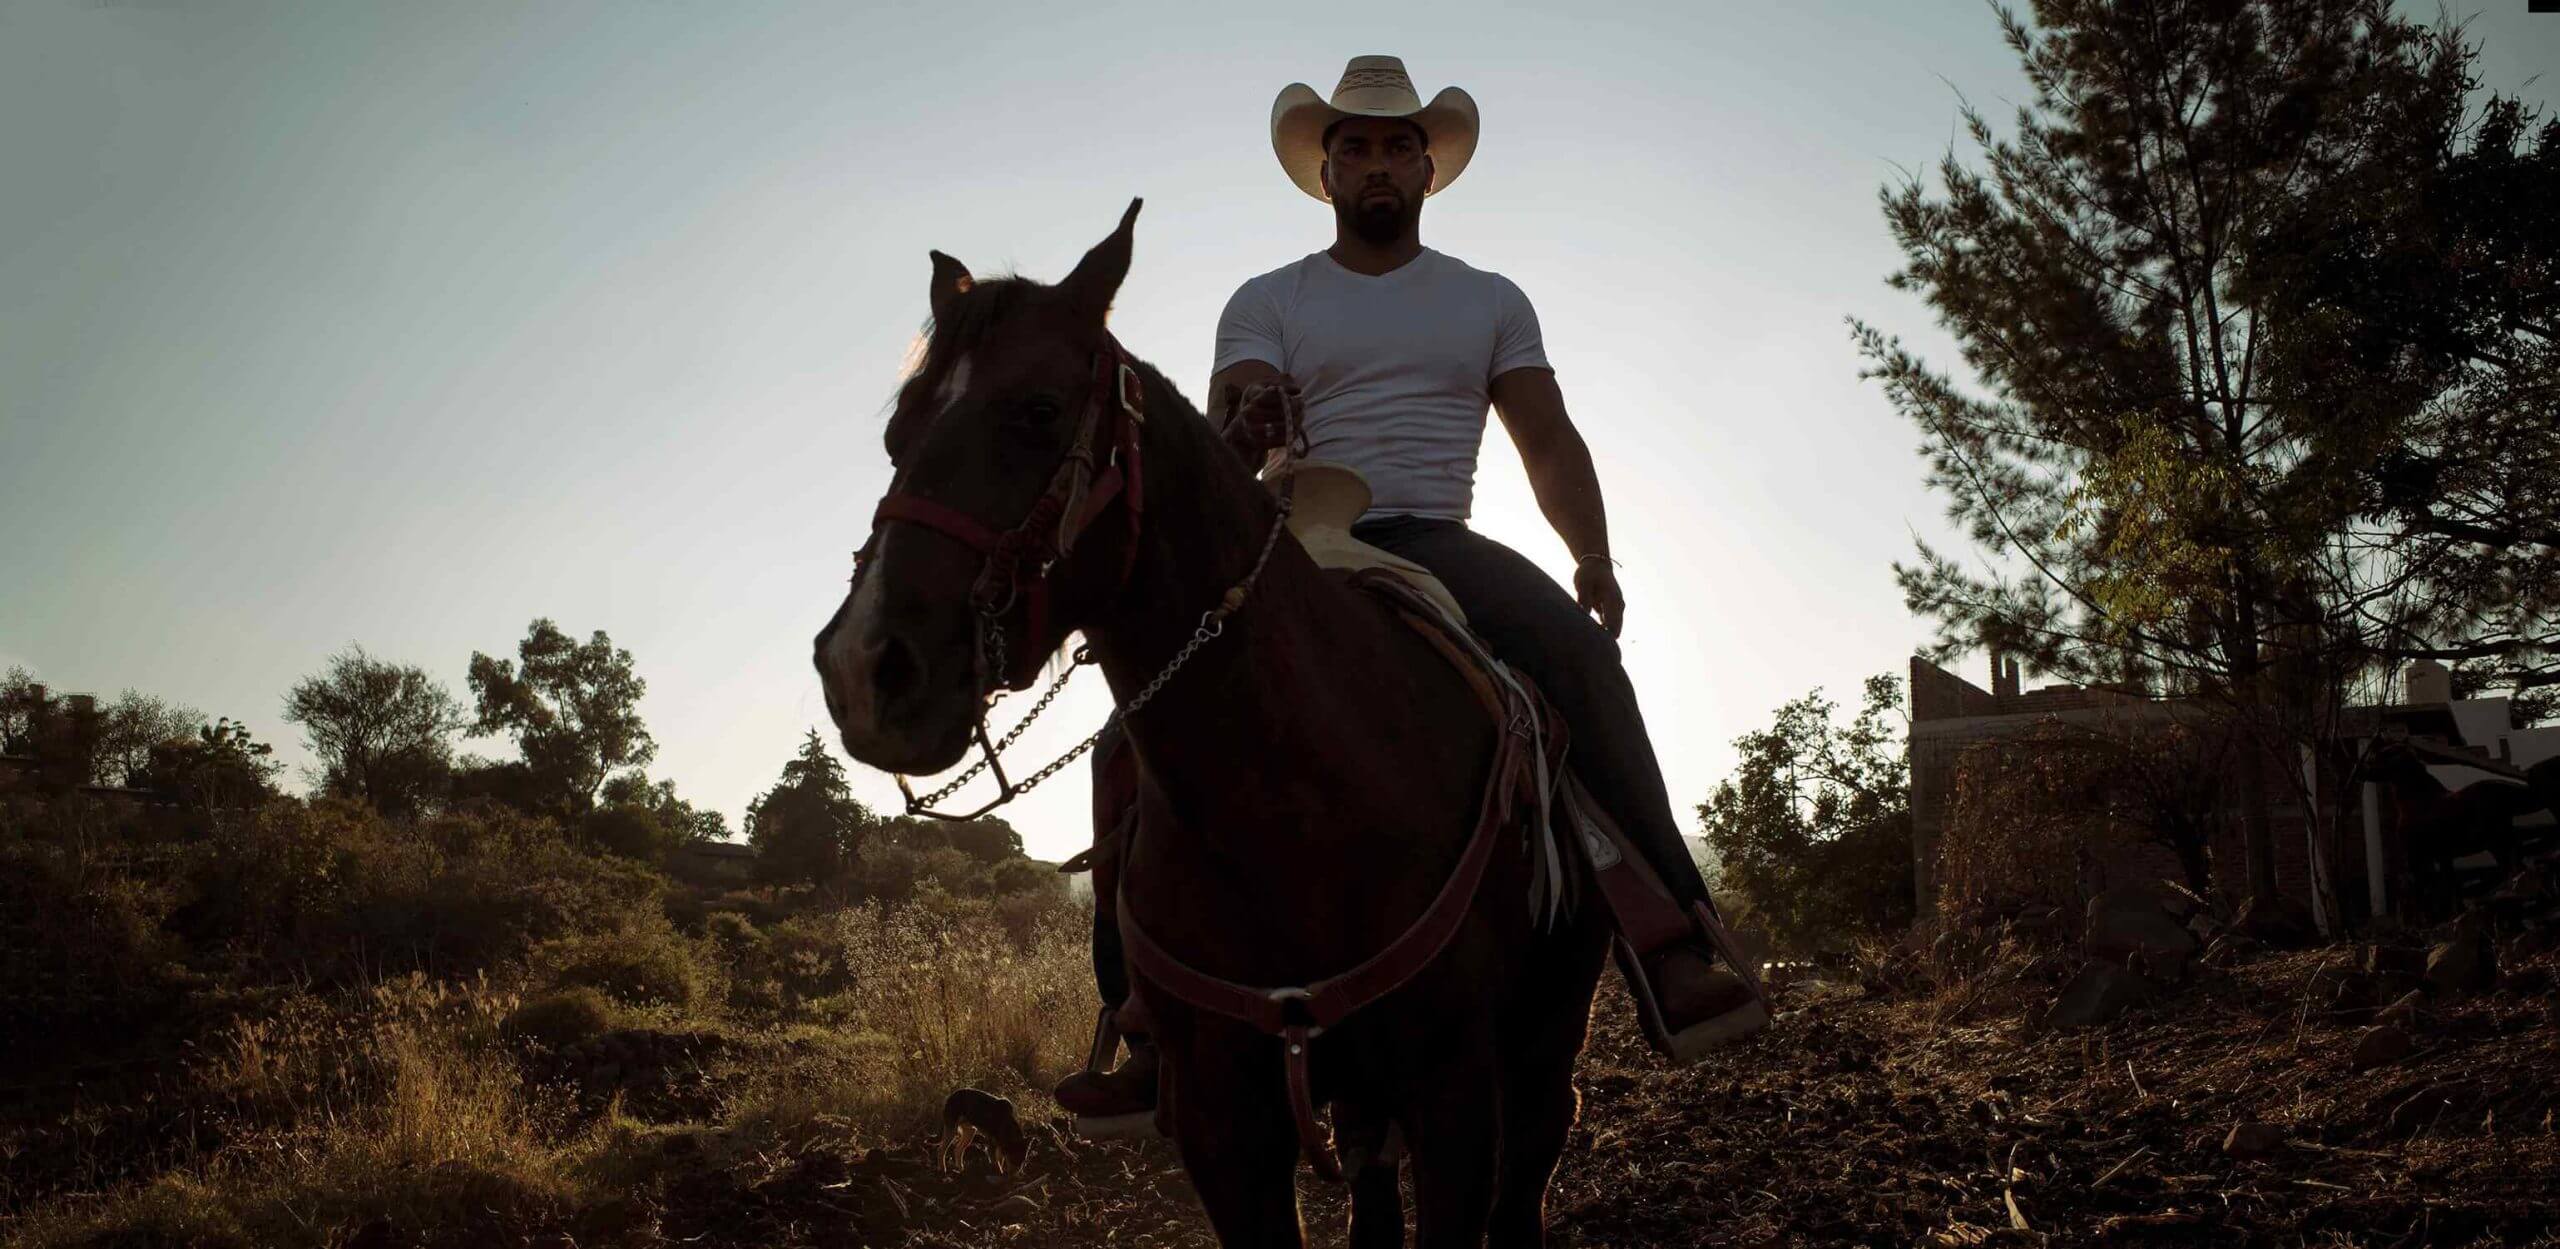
(1871, 1119)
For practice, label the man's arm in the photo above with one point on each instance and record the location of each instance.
(1567, 486)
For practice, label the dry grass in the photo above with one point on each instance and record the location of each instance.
(400, 1106)
(424, 1112)
(944, 997)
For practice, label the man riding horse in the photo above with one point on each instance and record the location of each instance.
(1387, 353)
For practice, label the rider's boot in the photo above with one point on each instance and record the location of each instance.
(1118, 1102)
(1703, 1000)
(1694, 989)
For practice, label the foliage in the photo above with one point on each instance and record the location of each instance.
(81, 934)
(808, 829)
(134, 724)
(324, 1003)
(17, 711)
(1814, 831)
(988, 838)
(2204, 292)
(381, 730)
(572, 709)
(2439, 276)
(640, 820)
(561, 1019)
(336, 892)
(644, 964)
(969, 1003)
(222, 769)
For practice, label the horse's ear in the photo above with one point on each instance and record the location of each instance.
(950, 280)
(1097, 276)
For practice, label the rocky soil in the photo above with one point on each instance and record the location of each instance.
(2242, 1102)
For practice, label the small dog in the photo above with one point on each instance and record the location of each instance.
(968, 1112)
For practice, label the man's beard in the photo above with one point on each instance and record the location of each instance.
(1376, 224)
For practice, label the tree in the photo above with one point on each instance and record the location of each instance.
(640, 820)
(131, 726)
(223, 769)
(2442, 276)
(808, 829)
(988, 838)
(2163, 463)
(1814, 830)
(572, 709)
(381, 730)
(18, 710)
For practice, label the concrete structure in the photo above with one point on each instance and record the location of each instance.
(1950, 714)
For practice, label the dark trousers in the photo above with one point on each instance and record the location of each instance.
(1531, 623)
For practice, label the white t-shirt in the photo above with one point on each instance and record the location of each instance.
(1396, 368)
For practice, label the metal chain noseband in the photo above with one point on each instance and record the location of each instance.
(1213, 624)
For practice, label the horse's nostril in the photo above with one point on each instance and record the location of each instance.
(896, 672)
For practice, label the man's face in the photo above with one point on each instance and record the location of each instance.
(1376, 171)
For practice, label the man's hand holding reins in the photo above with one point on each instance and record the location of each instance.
(1265, 412)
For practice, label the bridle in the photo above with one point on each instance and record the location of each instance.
(1018, 561)
(1101, 465)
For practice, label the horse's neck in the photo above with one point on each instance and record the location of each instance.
(1209, 727)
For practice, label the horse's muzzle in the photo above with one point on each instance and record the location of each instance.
(899, 693)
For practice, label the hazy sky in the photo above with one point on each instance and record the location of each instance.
(404, 324)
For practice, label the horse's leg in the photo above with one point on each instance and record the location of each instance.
(1377, 1207)
(1377, 1204)
(1538, 1098)
(1453, 1126)
(1231, 1120)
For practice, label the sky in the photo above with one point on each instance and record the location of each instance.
(405, 324)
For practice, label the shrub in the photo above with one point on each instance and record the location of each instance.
(334, 891)
(80, 940)
(397, 1106)
(733, 934)
(642, 965)
(2028, 823)
(562, 1019)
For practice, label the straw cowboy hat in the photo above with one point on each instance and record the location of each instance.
(1371, 86)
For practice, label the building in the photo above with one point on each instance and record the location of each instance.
(715, 862)
(1950, 714)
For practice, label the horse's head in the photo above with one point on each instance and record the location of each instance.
(1011, 511)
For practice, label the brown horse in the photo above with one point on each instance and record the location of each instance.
(1312, 769)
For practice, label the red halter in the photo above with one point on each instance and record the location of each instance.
(1019, 560)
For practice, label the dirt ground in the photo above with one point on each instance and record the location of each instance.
(1878, 1116)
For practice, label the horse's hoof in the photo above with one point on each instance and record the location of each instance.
(1139, 1126)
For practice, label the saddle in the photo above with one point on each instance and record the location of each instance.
(1329, 499)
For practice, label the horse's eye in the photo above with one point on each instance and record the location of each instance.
(1039, 410)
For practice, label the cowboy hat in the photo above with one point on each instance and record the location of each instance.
(1371, 86)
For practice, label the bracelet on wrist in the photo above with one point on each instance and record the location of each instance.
(1601, 556)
